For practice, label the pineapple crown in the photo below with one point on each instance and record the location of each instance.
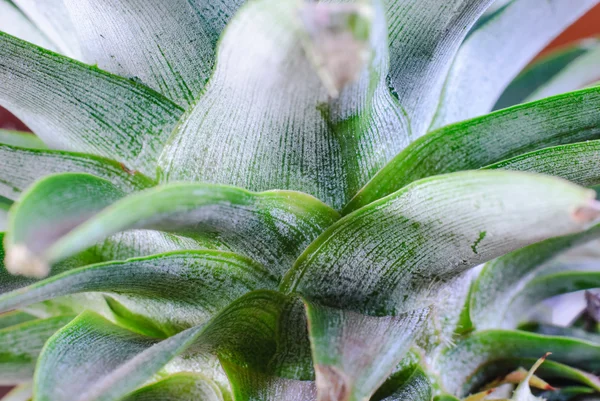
(289, 200)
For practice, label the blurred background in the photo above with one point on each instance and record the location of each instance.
(587, 26)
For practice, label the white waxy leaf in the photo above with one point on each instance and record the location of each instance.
(21, 167)
(169, 46)
(14, 22)
(497, 51)
(270, 121)
(424, 36)
(73, 106)
(52, 18)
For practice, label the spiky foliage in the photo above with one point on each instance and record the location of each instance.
(277, 199)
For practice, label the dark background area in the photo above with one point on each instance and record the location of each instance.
(586, 27)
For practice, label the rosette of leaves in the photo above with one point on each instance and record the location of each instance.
(285, 200)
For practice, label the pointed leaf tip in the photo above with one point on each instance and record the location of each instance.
(20, 261)
(587, 213)
(337, 41)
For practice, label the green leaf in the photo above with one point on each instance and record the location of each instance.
(560, 71)
(386, 257)
(458, 365)
(20, 346)
(13, 318)
(502, 279)
(100, 113)
(179, 387)
(14, 22)
(548, 286)
(476, 143)
(173, 54)
(194, 286)
(21, 139)
(51, 17)
(354, 353)
(340, 126)
(424, 37)
(496, 52)
(577, 162)
(418, 387)
(242, 334)
(272, 227)
(567, 393)
(22, 167)
(550, 330)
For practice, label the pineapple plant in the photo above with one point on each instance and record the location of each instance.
(293, 200)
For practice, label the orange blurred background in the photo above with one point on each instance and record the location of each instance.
(587, 26)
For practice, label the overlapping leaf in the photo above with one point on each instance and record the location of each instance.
(272, 227)
(424, 37)
(171, 291)
(496, 52)
(485, 140)
(78, 107)
(558, 72)
(179, 387)
(271, 121)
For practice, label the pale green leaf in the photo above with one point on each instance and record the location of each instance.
(424, 37)
(476, 143)
(71, 368)
(21, 139)
(458, 365)
(393, 255)
(498, 50)
(354, 353)
(13, 318)
(173, 54)
(21, 167)
(550, 330)
(503, 278)
(308, 109)
(20, 346)
(272, 227)
(74, 106)
(578, 162)
(179, 387)
(175, 290)
(563, 70)
(52, 18)
(14, 22)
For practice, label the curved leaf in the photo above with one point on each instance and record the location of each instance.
(14, 22)
(577, 162)
(502, 279)
(21, 139)
(272, 228)
(417, 388)
(495, 53)
(20, 346)
(548, 286)
(550, 330)
(179, 387)
(476, 143)
(78, 107)
(14, 318)
(51, 17)
(22, 167)
(179, 290)
(242, 334)
(424, 37)
(173, 54)
(308, 110)
(563, 70)
(459, 364)
(386, 257)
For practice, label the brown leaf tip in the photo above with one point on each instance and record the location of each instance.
(332, 384)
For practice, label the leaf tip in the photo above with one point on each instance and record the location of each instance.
(21, 261)
(587, 213)
(332, 384)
